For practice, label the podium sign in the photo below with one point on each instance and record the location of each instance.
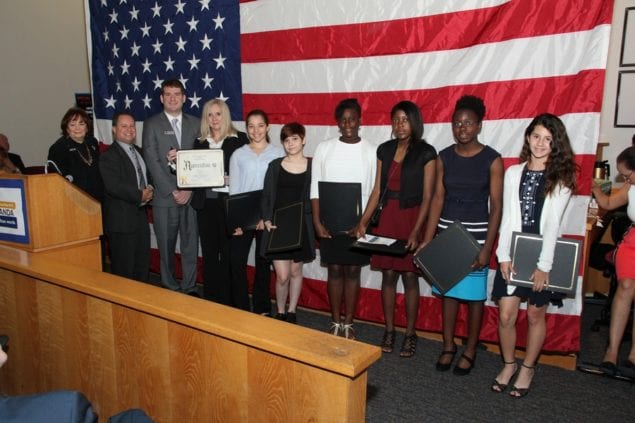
(14, 225)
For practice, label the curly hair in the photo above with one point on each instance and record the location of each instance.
(473, 103)
(348, 103)
(561, 167)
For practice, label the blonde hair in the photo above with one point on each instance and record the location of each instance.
(226, 128)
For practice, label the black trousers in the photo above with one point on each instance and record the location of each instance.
(130, 253)
(239, 248)
(215, 248)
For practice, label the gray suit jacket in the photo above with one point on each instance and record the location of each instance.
(158, 137)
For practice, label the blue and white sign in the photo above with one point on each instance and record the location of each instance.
(14, 226)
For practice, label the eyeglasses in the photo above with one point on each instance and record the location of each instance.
(467, 123)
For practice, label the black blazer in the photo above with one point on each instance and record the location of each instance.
(122, 196)
(230, 145)
(411, 181)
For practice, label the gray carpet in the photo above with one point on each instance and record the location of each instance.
(411, 390)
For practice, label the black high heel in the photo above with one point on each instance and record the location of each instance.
(388, 341)
(498, 387)
(522, 392)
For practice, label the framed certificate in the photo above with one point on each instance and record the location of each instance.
(563, 276)
(200, 168)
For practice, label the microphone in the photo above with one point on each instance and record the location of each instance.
(46, 170)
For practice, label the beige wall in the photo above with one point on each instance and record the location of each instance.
(618, 138)
(43, 62)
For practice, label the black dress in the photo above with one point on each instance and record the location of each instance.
(532, 200)
(290, 189)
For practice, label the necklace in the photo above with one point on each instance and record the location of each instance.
(89, 160)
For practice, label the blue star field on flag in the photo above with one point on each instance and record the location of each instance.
(137, 44)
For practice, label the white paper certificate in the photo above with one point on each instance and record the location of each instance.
(200, 168)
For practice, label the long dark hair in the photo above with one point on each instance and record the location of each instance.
(413, 113)
(561, 167)
(263, 115)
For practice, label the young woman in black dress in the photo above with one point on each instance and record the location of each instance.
(288, 181)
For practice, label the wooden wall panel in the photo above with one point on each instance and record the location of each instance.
(129, 345)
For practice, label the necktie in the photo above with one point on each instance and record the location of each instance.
(177, 130)
(140, 176)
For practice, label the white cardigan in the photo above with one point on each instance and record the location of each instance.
(550, 218)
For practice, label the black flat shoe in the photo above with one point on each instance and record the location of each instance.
(444, 367)
(608, 368)
(464, 371)
(280, 316)
(291, 317)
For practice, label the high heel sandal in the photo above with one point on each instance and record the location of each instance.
(335, 328)
(388, 341)
(443, 367)
(409, 346)
(498, 387)
(348, 331)
(521, 392)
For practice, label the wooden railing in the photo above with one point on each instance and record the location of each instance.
(181, 359)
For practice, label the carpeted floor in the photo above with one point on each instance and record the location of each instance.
(411, 390)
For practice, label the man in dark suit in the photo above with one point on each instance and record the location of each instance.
(15, 159)
(127, 191)
(171, 211)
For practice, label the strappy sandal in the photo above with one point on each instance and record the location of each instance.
(444, 367)
(521, 392)
(498, 387)
(335, 328)
(347, 331)
(409, 346)
(388, 341)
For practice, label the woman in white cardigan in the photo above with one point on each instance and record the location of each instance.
(536, 194)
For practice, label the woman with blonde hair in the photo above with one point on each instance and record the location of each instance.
(217, 132)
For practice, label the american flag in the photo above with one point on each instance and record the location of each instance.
(298, 58)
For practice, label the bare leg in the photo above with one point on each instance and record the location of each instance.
(412, 297)
(351, 291)
(388, 294)
(508, 314)
(620, 310)
(450, 309)
(335, 290)
(282, 268)
(296, 285)
(475, 318)
(535, 338)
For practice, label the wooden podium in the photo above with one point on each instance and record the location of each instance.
(63, 222)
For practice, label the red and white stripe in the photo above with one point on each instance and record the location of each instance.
(523, 57)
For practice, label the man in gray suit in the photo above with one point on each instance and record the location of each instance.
(171, 211)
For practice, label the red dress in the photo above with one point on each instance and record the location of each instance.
(395, 222)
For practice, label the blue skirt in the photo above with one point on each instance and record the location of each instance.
(473, 287)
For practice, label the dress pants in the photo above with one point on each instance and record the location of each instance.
(130, 253)
(170, 222)
(239, 248)
(212, 231)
